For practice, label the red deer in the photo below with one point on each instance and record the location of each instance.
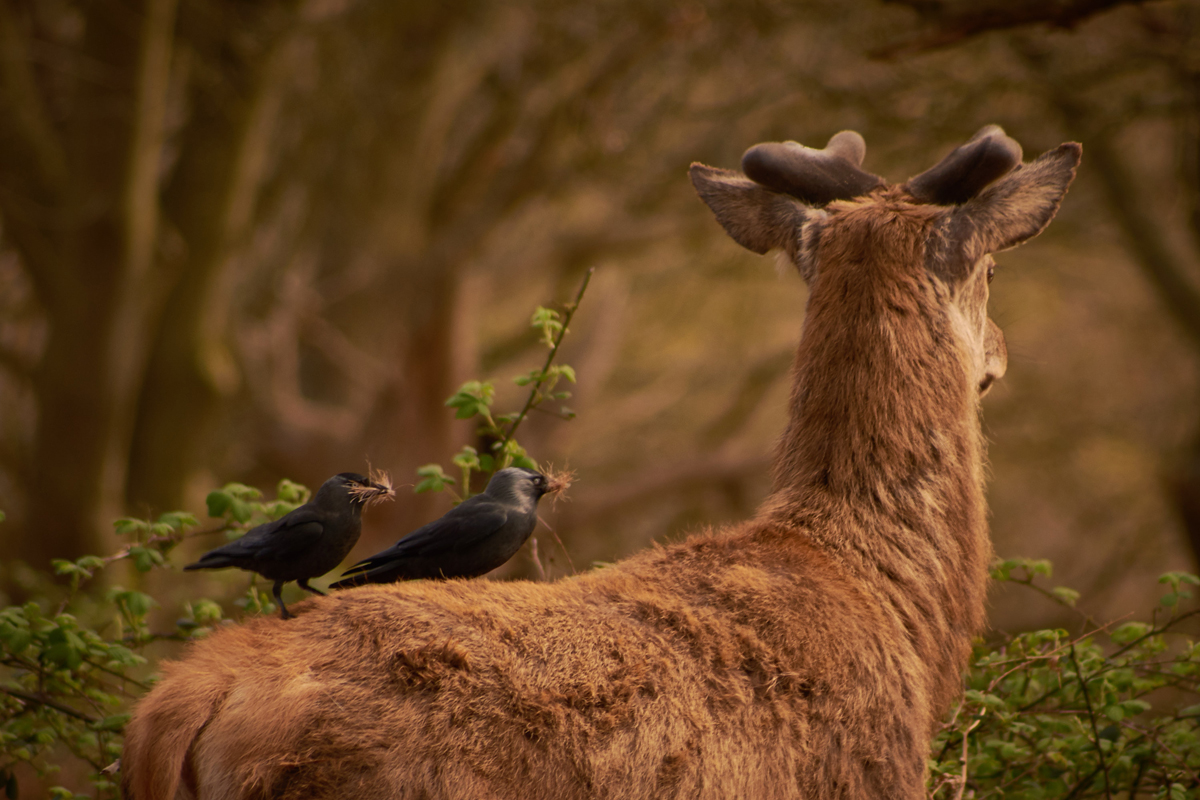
(805, 653)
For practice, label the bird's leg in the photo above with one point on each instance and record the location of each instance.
(277, 590)
(303, 584)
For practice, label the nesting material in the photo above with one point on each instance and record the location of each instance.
(379, 491)
(558, 481)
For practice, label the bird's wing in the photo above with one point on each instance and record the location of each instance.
(460, 529)
(288, 537)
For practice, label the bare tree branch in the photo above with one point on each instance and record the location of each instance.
(952, 21)
(28, 121)
(1166, 271)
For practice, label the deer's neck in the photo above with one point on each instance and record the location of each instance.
(881, 416)
(881, 465)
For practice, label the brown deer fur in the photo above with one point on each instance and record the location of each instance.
(805, 653)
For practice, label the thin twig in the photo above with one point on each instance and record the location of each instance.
(41, 701)
(561, 546)
(114, 673)
(537, 562)
(1137, 778)
(1092, 718)
(962, 784)
(1154, 631)
(1154, 738)
(1084, 781)
(535, 392)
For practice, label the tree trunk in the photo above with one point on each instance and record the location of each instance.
(100, 289)
(212, 200)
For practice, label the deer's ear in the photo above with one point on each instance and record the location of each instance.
(755, 217)
(1020, 205)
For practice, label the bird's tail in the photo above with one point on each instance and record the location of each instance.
(351, 579)
(212, 561)
(160, 734)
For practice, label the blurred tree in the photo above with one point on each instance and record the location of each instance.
(82, 126)
(136, 142)
(1129, 88)
(242, 241)
(202, 228)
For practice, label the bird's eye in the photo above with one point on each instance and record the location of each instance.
(991, 273)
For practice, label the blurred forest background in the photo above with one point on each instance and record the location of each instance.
(242, 241)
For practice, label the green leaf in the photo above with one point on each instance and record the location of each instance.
(218, 502)
(473, 398)
(136, 604)
(1067, 596)
(547, 321)
(434, 479)
(127, 525)
(113, 723)
(1002, 570)
(525, 462)
(277, 508)
(206, 612)
(16, 640)
(467, 458)
(291, 492)
(1039, 566)
(178, 520)
(240, 510)
(146, 558)
(566, 372)
(62, 650)
(1129, 632)
(241, 491)
(1135, 707)
(90, 563)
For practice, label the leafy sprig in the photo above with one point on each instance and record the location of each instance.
(474, 400)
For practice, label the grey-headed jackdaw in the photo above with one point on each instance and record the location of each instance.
(471, 539)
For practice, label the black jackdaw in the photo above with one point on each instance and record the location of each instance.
(306, 542)
(472, 539)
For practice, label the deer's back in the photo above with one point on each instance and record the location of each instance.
(611, 684)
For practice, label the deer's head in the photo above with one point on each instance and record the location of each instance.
(864, 245)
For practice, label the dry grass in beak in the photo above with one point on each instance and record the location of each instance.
(379, 489)
(558, 481)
